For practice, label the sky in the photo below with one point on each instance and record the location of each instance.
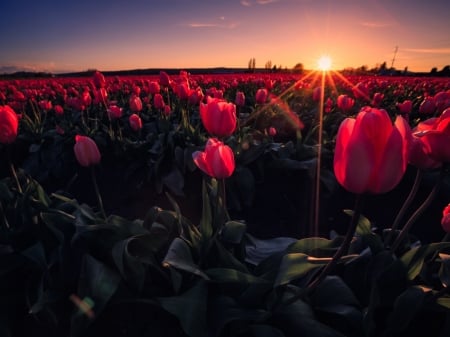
(77, 35)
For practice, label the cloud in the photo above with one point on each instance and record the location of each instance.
(428, 50)
(248, 3)
(223, 24)
(375, 24)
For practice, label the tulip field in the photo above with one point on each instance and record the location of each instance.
(254, 204)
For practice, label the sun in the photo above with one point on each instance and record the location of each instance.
(324, 63)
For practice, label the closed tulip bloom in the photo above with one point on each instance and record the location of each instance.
(99, 80)
(158, 101)
(217, 160)
(114, 112)
(437, 137)
(240, 98)
(154, 88)
(86, 151)
(405, 107)
(445, 222)
(377, 99)
(164, 79)
(135, 103)
(218, 117)
(371, 154)
(261, 96)
(317, 94)
(135, 122)
(345, 103)
(9, 124)
(428, 106)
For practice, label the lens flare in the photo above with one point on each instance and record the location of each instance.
(324, 63)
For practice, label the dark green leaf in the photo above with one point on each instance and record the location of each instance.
(36, 254)
(190, 309)
(262, 330)
(294, 266)
(233, 231)
(414, 258)
(179, 256)
(444, 270)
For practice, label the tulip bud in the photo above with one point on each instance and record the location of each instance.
(135, 122)
(86, 151)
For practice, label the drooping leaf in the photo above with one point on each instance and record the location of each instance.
(233, 231)
(190, 309)
(294, 266)
(179, 256)
(414, 258)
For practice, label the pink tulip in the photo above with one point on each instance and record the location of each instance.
(135, 103)
(371, 154)
(86, 151)
(218, 117)
(158, 101)
(114, 112)
(216, 161)
(135, 122)
(436, 137)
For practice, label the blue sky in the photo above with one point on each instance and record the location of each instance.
(112, 35)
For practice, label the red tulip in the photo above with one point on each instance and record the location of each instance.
(9, 124)
(216, 161)
(218, 117)
(436, 137)
(114, 112)
(158, 101)
(135, 122)
(86, 151)
(428, 106)
(135, 103)
(58, 110)
(99, 80)
(317, 92)
(377, 99)
(445, 222)
(261, 96)
(240, 98)
(405, 107)
(164, 79)
(154, 88)
(345, 103)
(371, 154)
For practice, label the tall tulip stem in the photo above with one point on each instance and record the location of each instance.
(418, 212)
(344, 246)
(314, 231)
(406, 204)
(97, 192)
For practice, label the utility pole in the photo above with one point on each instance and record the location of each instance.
(393, 59)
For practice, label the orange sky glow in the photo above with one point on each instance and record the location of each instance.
(57, 37)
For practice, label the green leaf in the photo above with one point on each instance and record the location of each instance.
(444, 301)
(294, 266)
(227, 275)
(179, 256)
(444, 270)
(414, 258)
(406, 307)
(5, 192)
(233, 231)
(314, 246)
(190, 309)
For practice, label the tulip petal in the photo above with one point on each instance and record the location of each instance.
(348, 152)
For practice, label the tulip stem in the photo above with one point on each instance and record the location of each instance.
(344, 246)
(336, 257)
(13, 170)
(418, 212)
(406, 204)
(97, 192)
